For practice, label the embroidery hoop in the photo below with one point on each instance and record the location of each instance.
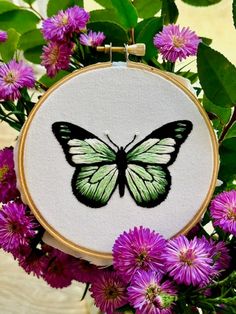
(21, 150)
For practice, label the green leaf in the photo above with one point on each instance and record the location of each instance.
(114, 33)
(232, 132)
(223, 114)
(201, 3)
(234, 12)
(56, 5)
(153, 26)
(206, 41)
(217, 76)
(33, 54)
(48, 81)
(105, 3)
(31, 39)
(106, 15)
(8, 48)
(29, 1)
(169, 11)
(127, 12)
(227, 158)
(147, 8)
(21, 20)
(6, 6)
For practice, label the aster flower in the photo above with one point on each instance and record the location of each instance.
(14, 76)
(61, 26)
(8, 190)
(55, 57)
(175, 43)
(92, 39)
(3, 36)
(58, 274)
(138, 249)
(188, 262)
(83, 271)
(148, 295)
(16, 226)
(109, 292)
(223, 211)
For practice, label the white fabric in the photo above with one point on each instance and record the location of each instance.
(122, 101)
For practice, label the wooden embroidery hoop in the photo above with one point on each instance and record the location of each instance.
(83, 251)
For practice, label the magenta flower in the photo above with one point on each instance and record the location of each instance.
(56, 57)
(58, 273)
(175, 43)
(188, 262)
(61, 26)
(223, 211)
(109, 292)
(16, 227)
(138, 249)
(3, 36)
(8, 190)
(92, 39)
(14, 76)
(84, 271)
(148, 295)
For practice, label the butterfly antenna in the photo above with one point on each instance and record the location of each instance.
(131, 141)
(107, 135)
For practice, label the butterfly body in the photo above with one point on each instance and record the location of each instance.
(143, 169)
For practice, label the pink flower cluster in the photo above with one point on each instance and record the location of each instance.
(59, 31)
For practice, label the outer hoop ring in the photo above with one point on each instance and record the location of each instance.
(21, 146)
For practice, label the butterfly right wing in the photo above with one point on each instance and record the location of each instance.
(96, 174)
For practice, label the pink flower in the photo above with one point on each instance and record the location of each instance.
(14, 76)
(84, 271)
(223, 211)
(109, 292)
(188, 262)
(3, 36)
(55, 57)
(17, 227)
(148, 295)
(8, 190)
(139, 249)
(61, 26)
(175, 43)
(92, 39)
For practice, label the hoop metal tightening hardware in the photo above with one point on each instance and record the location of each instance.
(136, 50)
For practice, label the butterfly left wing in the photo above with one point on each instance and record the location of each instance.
(147, 176)
(95, 177)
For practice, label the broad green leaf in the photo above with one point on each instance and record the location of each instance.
(104, 16)
(206, 40)
(56, 5)
(105, 3)
(127, 12)
(114, 33)
(6, 6)
(139, 27)
(169, 11)
(147, 8)
(33, 54)
(223, 114)
(8, 48)
(153, 26)
(48, 81)
(231, 133)
(234, 12)
(217, 76)
(29, 1)
(21, 20)
(201, 3)
(227, 158)
(31, 39)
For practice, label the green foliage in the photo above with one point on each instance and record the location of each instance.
(169, 11)
(227, 160)
(147, 8)
(234, 12)
(6, 6)
(217, 76)
(106, 15)
(146, 34)
(21, 20)
(31, 39)
(206, 41)
(56, 5)
(201, 3)
(33, 54)
(127, 12)
(29, 1)
(218, 113)
(8, 49)
(48, 81)
(105, 3)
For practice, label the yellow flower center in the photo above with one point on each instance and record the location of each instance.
(231, 214)
(3, 171)
(152, 291)
(10, 77)
(187, 257)
(111, 292)
(54, 55)
(63, 21)
(178, 42)
(141, 258)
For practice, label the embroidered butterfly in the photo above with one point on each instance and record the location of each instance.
(99, 169)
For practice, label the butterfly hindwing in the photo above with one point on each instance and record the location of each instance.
(147, 176)
(96, 173)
